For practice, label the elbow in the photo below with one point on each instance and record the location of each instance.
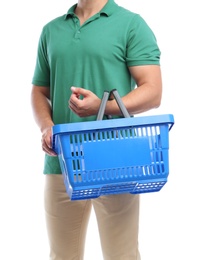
(157, 101)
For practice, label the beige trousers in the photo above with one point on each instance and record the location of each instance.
(117, 218)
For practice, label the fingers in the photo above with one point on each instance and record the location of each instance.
(47, 143)
(74, 100)
(86, 106)
(78, 104)
(47, 149)
(79, 91)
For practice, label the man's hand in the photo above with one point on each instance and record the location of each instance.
(84, 102)
(46, 141)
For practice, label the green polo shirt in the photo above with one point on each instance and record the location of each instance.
(94, 56)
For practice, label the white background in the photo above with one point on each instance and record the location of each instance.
(169, 220)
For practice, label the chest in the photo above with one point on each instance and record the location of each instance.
(93, 40)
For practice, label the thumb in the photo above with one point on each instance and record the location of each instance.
(73, 89)
(79, 91)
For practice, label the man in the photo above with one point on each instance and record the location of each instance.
(97, 45)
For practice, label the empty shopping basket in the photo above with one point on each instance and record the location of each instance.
(113, 156)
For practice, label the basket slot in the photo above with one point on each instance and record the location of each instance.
(118, 188)
(85, 194)
(152, 186)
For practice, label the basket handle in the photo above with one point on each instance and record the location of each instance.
(106, 96)
(104, 100)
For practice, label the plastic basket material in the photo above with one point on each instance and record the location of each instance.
(127, 155)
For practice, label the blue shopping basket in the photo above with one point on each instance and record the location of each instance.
(113, 156)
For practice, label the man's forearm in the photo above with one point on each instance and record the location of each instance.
(41, 109)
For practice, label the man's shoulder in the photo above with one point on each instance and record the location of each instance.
(126, 17)
(127, 14)
(55, 21)
(126, 11)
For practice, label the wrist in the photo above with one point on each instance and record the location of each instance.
(111, 107)
(46, 125)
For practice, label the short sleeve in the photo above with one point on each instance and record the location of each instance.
(142, 47)
(41, 75)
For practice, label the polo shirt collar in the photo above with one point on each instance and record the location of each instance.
(108, 9)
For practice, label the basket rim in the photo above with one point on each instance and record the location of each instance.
(113, 123)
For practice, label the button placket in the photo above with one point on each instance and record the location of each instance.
(77, 31)
(77, 34)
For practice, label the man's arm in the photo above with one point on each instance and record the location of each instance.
(146, 96)
(40, 101)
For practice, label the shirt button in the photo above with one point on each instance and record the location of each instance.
(77, 35)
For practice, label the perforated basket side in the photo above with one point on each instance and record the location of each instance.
(118, 159)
